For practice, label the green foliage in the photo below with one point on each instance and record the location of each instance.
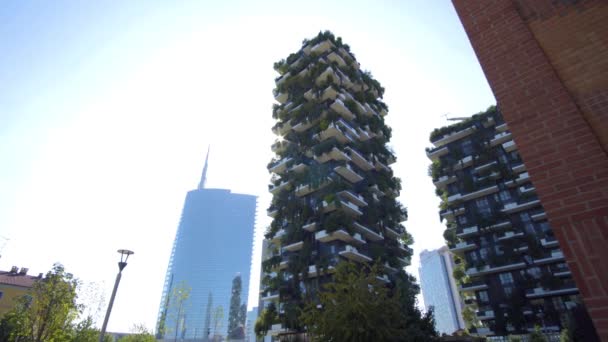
(438, 133)
(359, 307)
(236, 318)
(141, 334)
(514, 339)
(565, 336)
(47, 310)
(537, 335)
(265, 320)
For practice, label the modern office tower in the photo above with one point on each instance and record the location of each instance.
(439, 289)
(213, 244)
(511, 271)
(333, 191)
(553, 93)
(250, 326)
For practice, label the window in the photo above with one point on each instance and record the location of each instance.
(534, 272)
(483, 207)
(498, 250)
(483, 296)
(467, 147)
(506, 278)
(462, 219)
(524, 217)
(505, 196)
(1, 294)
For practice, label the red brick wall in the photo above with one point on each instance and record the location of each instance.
(556, 123)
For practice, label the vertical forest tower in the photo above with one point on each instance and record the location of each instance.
(333, 190)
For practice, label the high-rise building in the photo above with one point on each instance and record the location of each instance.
(252, 315)
(511, 271)
(213, 244)
(547, 64)
(439, 289)
(333, 190)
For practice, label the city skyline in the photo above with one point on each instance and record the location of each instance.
(92, 127)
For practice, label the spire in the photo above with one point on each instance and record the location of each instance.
(201, 185)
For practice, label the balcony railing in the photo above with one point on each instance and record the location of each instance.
(311, 227)
(341, 109)
(556, 255)
(322, 47)
(334, 154)
(500, 138)
(368, 233)
(485, 315)
(473, 286)
(462, 247)
(468, 231)
(275, 189)
(566, 289)
(280, 146)
(348, 173)
(352, 253)
(434, 154)
(487, 269)
(350, 196)
(341, 235)
(510, 235)
(443, 181)
(294, 247)
(510, 208)
(549, 242)
(278, 235)
(348, 207)
(448, 138)
(282, 128)
(393, 233)
(280, 166)
(359, 160)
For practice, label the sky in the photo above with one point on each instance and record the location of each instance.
(107, 109)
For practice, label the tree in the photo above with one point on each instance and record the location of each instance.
(218, 316)
(265, 320)
(236, 318)
(358, 306)
(141, 335)
(537, 335)
(177, 301)
(48, 311)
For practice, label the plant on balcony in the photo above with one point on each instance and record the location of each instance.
(265, 320)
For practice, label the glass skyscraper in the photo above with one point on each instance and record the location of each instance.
(213, 243)
(439, 289)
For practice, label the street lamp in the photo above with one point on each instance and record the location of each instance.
(124, 255)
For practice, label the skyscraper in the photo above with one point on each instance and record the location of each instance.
(213, 244)
(333, 191)
(439, 289)
(511, 271)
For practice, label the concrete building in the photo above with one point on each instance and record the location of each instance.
(547, 64)
(13, 284)
(439, 289)
(511, 271)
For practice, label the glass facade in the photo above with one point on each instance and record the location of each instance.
(439, 290)
(213, 243)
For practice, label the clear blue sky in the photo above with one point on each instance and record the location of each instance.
(107, 108)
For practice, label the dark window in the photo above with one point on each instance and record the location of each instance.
(483, 207)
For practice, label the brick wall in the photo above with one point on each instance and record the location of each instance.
(541, 60)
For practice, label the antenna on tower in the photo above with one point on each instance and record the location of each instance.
(201, 185)
(454, 119)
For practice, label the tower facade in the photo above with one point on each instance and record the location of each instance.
(333, 190)
(439, 289)
(511, 271)
(213, 243)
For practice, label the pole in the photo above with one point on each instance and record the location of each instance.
(105, 321)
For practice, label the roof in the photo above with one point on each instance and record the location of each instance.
(16, 279)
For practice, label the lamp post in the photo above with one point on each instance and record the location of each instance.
(124, 255)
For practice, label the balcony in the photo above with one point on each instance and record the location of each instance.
(334, 154)
(294, 247)
(510, 235)
(519, 168)
(366, 134)
(352, 253)
(341, 235)
(322, 47)
(538, 292)
(304, 126)
(487, 269)
(280, 166)
(368, 233)
(271, 297)
(348, 173)
(330, 93)
(380, 166)
(277, 237)
(276, 329)
(305, 189)
(334, 57)
(434, 154)
(272, 212)
(449, 214)
(283, 264)
(469, 231)
(389, 267)
(481, 168)
(392, 233)
(515, 207)
(282, 128)
(446, 139)
(281, 97)
(474, 286)
(462, 247)
(298, 168)
(500, 138)
(509, 146)
(539, 216)
(311, 227)
(502, 127)
(549, 242)
(443, 181)
(485, 315)
(482, 192)
(283, 78)
(359, 160)
(464, 162)
(348, 207)
(353, 198)
(275, 189)
(325, 75)
(280, 146)
(501, 225)
(313, 271)
(341, 109)
(483, 331)
(335, 131)
(527, 190)
(556, 255)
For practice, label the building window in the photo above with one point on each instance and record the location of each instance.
(467, 147)
(483, 296)
(462, 219)
(483, 207)
(506, 279)
(504, 196)
(534, 272)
